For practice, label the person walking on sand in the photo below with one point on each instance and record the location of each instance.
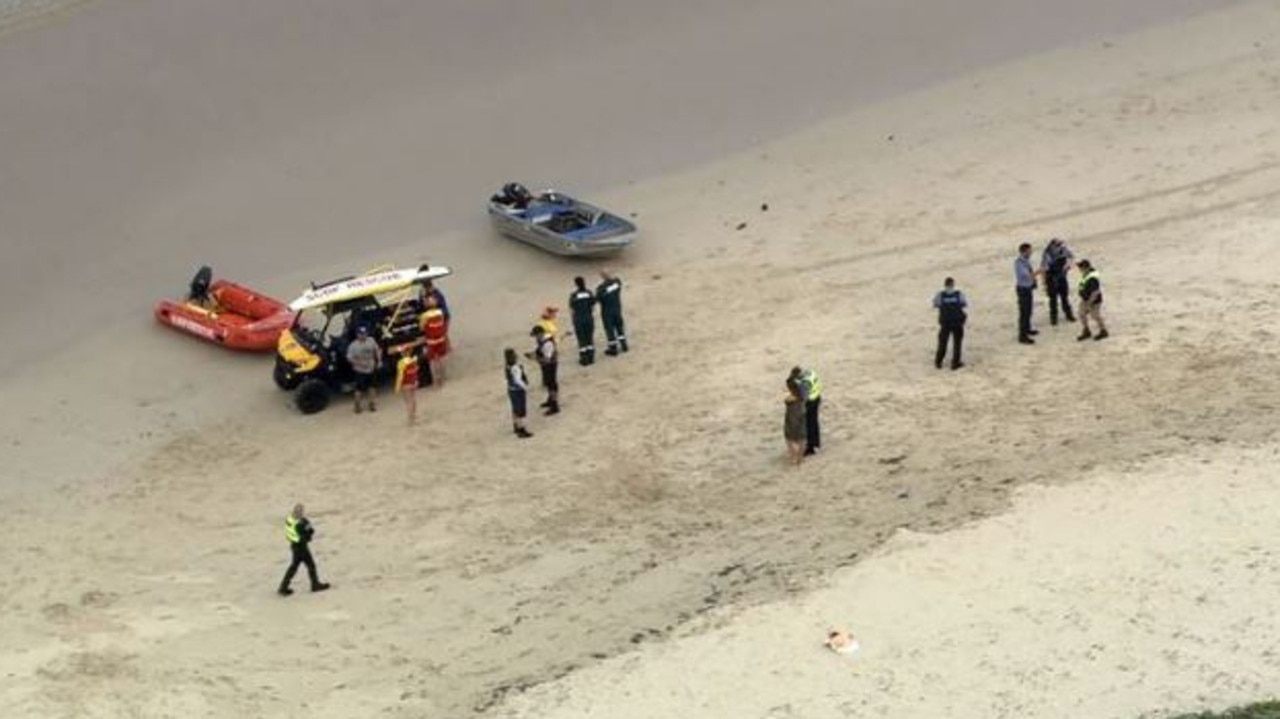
(407, 377)
(609, 295)
(1091, 302)
(517, 392)
(1024, 276)
(548, 360)
(582, 303)
(299, 532)
(951, 305)
(1055, 263)
(793, 424)
(435, 333)
(365, 357)
(810, 386)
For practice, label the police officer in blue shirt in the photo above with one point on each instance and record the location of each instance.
(1024, 277)
(951, 305)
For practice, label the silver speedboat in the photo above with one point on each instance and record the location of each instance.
(558, 223)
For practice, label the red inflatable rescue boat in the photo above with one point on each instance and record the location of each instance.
(228, 314)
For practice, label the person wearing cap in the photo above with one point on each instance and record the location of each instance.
(581, 302)
(365, 357)
(435, 334)
(547, 321)
(1024, 278)
(548, 360)
(1090, 302)
(407, 379)
(609, 295)
(951, 305)
(430, 290)
(299, 532)
(1055, 263)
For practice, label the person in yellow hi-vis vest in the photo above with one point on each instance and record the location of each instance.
(1091, 302)
(811, 391)
(407, 382)
(298, 530)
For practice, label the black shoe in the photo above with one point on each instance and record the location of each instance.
(284, 591)
(1026, 340)
(810, 451)
(1053, 321)
(1101, 336)
(623, 344)
(612, 351)
(1033, 332)
(1071, 318)
(1084, 336)
(373, 407)
(523, 433)
(322, 586)
(546, 403)
(938, 365)
(957, 365)
(552, 409)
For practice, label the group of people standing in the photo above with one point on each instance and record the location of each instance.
(1055, 266)
(366, 357)
(546, 351)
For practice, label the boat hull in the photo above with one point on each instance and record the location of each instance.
(238, 318)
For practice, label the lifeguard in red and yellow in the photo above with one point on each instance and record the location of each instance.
(407, 382)
(435, 333)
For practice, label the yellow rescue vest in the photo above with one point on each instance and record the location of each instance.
(291, 529)
(812, 384)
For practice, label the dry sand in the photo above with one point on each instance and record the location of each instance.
(1135, 589)
(146, 475)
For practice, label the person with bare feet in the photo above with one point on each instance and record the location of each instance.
(793, 424)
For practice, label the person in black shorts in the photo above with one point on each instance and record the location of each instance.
(548, 360)
(517, 392)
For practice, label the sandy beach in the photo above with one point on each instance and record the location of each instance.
(1066, 529)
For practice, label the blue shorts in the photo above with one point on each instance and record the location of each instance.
(518, 405)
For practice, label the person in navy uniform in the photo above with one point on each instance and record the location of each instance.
(1055, 263)
(609, 295)
(951, 305)
(582, 303)
(1024, 278)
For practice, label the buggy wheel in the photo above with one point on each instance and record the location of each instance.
(312, 396)
(285, 379)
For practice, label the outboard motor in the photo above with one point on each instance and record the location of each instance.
(199, 292)
(517, 195)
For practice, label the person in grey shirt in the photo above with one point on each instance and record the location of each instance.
(365, 357)
(1024, 276)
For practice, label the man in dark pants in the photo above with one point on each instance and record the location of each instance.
(1055, 263)
(298, 530)
(609, 295)
(951, 305)
(1024, 276)
(811, 391)
(548, 358)
(581, 303)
